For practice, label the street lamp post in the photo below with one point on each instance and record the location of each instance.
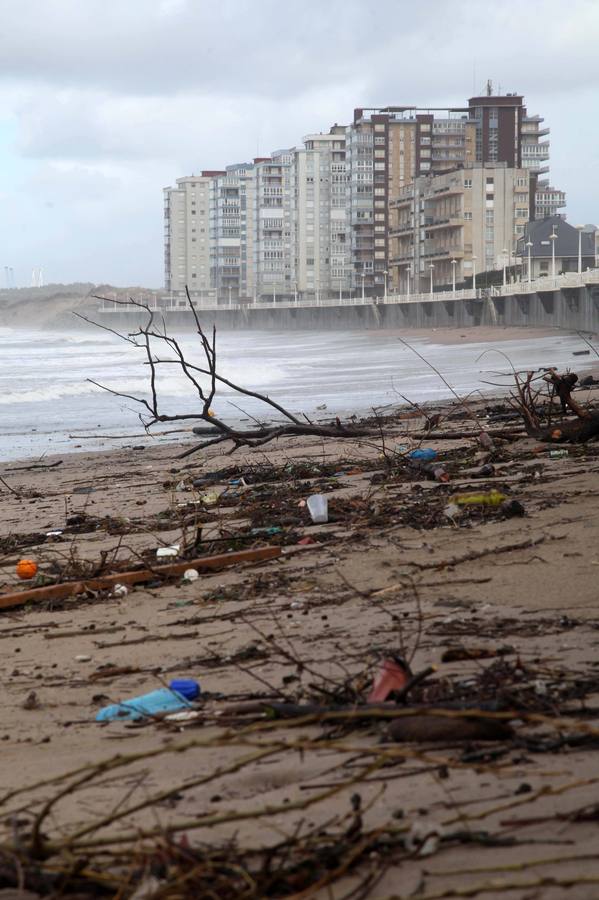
(454, 263)
(504, 253)
(431, 267)
(363, 276)
(579, 229)
(385, 273)
(553, 239)
(474, 258)
(528, 247)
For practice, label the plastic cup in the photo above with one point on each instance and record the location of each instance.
(318, 507)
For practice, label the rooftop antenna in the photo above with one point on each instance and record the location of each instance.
(489, 88)
(40, 277)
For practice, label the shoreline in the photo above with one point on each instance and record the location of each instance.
(436, 338)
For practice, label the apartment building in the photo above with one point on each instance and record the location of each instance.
(232, 210)
(273, 252)
(187, 236)
(317, 220)
(505, 132)
(386, 148)
(456, 223)
(322, 261)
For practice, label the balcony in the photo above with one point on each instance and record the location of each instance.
(403, 228)
(451, 222)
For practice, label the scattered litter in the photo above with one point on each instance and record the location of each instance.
(511, 508)
(558, 454)
(209, 499)
(318, 508)
(425, 454)
(270, 530)
(190, 575)
(180, 694)
(163, 552)
(489, 498)
(83, 657)
(424, 837)
(452, 511)
(119, 591)
(393, 676)
(431, 727)
(26, 568)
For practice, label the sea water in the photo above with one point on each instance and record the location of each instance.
(49, 405)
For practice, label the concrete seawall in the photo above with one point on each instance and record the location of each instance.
(570, 308)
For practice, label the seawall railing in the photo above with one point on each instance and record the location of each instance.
(168, 302)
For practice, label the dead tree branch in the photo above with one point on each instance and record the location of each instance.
(162, 349)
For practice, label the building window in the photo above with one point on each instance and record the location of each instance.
(467, 182)
(468, 216)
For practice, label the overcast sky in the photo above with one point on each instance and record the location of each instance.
(104, 102)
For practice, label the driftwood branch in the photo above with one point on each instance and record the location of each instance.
(530, 400)
(204, 379)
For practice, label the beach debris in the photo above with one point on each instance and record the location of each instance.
(180, 694)
(433, 725)
(164, 552)
(458, 653)
(318, 508)
(119, 591)
(485, 471)
(31, 701)
(512, 508)
(488, 498)
(526, 398)
(190, 575)
(423, 454)
(106, 582)
(393, 675)
(83, 657)
(558, 454)
(486, 441)
(26, 569)
(452, 510)
(424, 837)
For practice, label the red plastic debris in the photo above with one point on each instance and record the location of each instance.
(393, 675)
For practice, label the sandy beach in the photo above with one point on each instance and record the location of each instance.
(390, 573)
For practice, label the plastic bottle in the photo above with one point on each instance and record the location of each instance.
(558, 454)
(318, 507)
(178, 695)
(489, 498)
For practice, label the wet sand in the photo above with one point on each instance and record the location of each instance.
(239, 631)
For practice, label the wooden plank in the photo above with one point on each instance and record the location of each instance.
(70, 588)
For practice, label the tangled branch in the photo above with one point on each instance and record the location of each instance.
(162, 349)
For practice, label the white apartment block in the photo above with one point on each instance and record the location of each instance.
(273, 250)
(232, 211)
(187, 243)
(323, 262)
